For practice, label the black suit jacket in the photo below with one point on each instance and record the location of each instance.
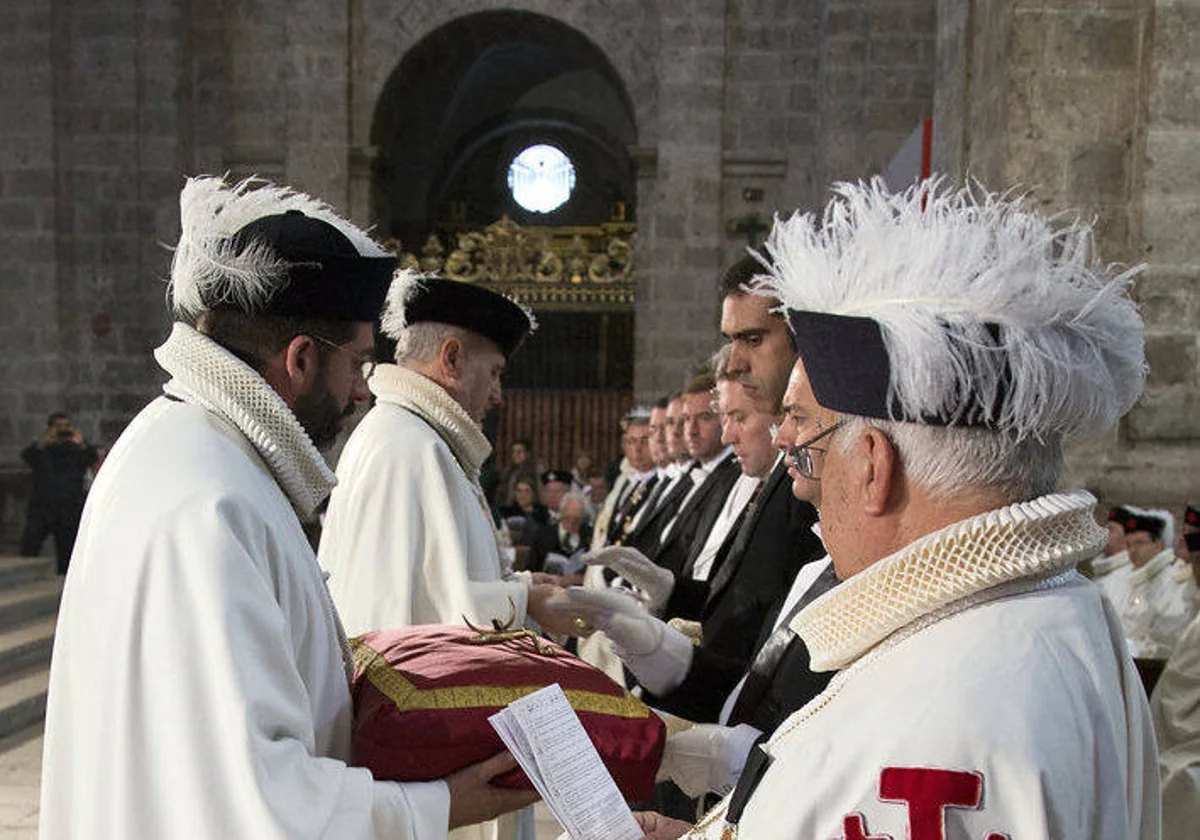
(645, 536)
(739, 604)
(695, 518)
(546, 542)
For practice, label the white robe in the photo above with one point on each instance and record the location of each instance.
(198, 686)
(1176, 707)
(1155, 603)
(408, 538)
(1003, 692)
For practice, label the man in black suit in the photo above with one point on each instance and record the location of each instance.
(568, 535)
(713, 473)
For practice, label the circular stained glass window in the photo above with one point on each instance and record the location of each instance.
(541, 178)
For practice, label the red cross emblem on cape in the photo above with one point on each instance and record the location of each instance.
(927, 793)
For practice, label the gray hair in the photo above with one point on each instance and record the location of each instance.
(421, 342)
(585, 507)
(948, 460)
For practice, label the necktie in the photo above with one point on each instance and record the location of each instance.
(762, 669)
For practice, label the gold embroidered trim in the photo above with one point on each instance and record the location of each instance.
(409, 698)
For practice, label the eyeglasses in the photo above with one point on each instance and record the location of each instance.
(365, 363)
(800, 455)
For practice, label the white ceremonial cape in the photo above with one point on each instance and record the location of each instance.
(408, 537)
(986, 693)
(1176, 707)
(1155, 604)
(199, 682)
(1111, 573)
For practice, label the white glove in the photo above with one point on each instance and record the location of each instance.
(655, 582)
(658, 655)
(707, 757)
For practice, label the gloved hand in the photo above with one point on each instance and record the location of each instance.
(658, 655)
(655, 582)
(707, 757)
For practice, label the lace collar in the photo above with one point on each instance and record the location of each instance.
(425, 398)
(208, 375)
(1024, 540)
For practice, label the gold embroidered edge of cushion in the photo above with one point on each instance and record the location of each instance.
(409, 698)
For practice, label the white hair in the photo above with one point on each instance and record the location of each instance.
(585, 506)
(207, 268)
(935, 268)
(947, 460)
(421, 342)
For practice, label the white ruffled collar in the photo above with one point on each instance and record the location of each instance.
(1157, 564)
(206, 374)
(1107, 565)
(422, 396)
(1025, 540)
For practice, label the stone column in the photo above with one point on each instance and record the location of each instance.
(1092, 107)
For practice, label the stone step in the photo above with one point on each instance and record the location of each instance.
(27, 646)
(18, 571)
(23, 700)
(31, 602)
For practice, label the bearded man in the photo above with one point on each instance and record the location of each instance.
(952, 343)
(409, 538)
(199, 685)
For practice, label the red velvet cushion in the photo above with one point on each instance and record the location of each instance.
(423, 695)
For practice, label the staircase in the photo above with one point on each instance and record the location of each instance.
(29, 593)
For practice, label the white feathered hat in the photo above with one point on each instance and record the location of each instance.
(957, 307)
(257, 247)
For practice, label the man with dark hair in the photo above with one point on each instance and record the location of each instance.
(761, 352)
(60, 460)
(199, 684)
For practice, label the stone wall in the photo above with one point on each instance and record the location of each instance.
(1092, 107)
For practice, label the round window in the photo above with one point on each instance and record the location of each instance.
(541, 178)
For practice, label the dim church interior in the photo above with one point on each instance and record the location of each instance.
(686, 127)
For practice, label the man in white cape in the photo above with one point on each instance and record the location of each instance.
(409, 538)
(199, 685)
(951, 343)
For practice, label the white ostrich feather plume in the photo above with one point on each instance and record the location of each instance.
(406, 284)
(932, 265)
(206, 265)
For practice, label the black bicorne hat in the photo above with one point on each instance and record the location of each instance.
(326, 275)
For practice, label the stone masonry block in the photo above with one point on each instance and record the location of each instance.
(1169, 300)
(1099, 172)
(1169, 231)
(1175, 97)
(1172, 164)
(1172, 359)
(1107, 41)
(1165, 414)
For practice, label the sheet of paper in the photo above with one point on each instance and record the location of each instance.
(544, 734)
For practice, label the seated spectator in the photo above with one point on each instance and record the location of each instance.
(521, 465)
(1112, 564)
(579, 472)
(555, 484)
(565, 538)
(525, 504)
(596, 488)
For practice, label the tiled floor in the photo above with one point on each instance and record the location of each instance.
(21, 768)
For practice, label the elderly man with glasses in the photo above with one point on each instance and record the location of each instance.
(408, 537)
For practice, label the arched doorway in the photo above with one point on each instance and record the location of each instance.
(455, 113)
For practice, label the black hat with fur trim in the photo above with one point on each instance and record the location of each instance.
(265, 249)
(415, 298)
(1152, 525)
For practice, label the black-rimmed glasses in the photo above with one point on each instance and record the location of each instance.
(800, 455)
(365, 363)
